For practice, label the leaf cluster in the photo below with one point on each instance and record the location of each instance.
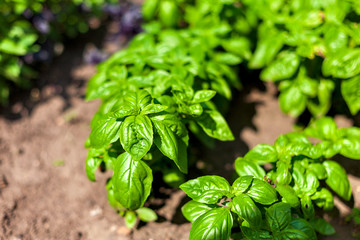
(310, 49)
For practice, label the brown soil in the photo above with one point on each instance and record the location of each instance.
(44, 191)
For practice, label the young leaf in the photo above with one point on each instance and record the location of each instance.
(153, 108)
(215, 125)
(130, 219)
(132, 181)
(206, 189)
(136, 135)
(92, 163)
(278, 216)
(241, 184)
(214, 224)
(203, 96)
(292, 101)
(262, 153)
(324, 199)
(262, 192)
(350, 148)
(192, 210)
(337, 179)
(146, 214)
(350, 90)
(245, 207)
(105, 131)
(288, 193)
(244, 167)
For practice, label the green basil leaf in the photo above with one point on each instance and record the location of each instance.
(322, 226)
(214, 124)
(206, 189)
(168, 143)
(214, 224)
(305, 227)
(146, 214)
(343, 64)
(292, 101)
(350, 90)
(203, 96)
(283, 175)
(318, 169)
(137, 100)
(337, 179)
(262, 192)
(350, 148)
(92, 163)
(284, 67)
(256, 234)
(320, 106)
(153, 108)
(245, 207)
(262, 153)
(193, 210)
(241, 184)
(311, 183)
(227, 58)
(130, 219)
(149, 9)
(288, 194)
(323, 128)
(132, 181)
(307, 207)
(278, 216)
(293, 234)
(105, 131)
(324, 199)
(136, 135)
(244, 167)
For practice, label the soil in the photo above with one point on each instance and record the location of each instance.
(44, 191)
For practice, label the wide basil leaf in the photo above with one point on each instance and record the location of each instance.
(214, 224)
(241, 184)
(337, 179)
(343, 64)
(323, 199)
(350, 147)
(245, 207)
(278, 216)
(324, 128)
(283, 175)
(262, 192)
(256, 234)
(192, 210)
(203, 96)
(322, 226)
(350, 90)
(214, 124)
(137, 100)
(206, 189)
(168, 143)
(132, 181)
(284, 67)
(311, 183)
(146, 214)
(153, 108)
(292, 101)
(92, 163)
(244, 167)
(305, 227)
(136, 135)
(288, 194)
(293, 234)
(318, 169)
(105, 131)
(262, 153)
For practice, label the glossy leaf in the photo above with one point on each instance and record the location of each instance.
(288, 193)
(206, 189)
(105, 131)
(305, 227)
(245, 207)
(244, 167)
(132, 181)
(130, 219)
(192, 210)
(278, 216)
(337, 179)
(262, 192)
(146, 214)
(262, 153)
(241, 184)
(136, 135)
(350, 90)
(214, 224)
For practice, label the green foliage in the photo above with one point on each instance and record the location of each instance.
(308, 48)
